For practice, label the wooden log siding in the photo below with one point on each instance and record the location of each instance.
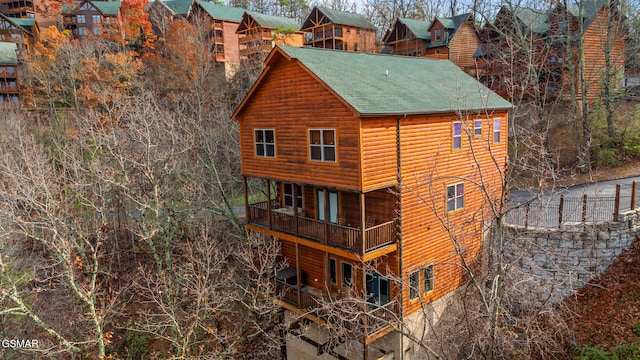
(461, 48)
(379, 153)
(280, 109)
(428, 165)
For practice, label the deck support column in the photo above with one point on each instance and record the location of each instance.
(363, 222)
(246, 199)
(269, 203)
(298, 279)
(295, 207)
(326, 215)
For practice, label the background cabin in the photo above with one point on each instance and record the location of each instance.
(339, 30)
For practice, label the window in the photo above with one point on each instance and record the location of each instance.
(332, 271)
(347, 279)
(455, 197)
(97, 31)
(288, 195)
(477, 128)
(355, 47)
(80, 19)
(265, 143)
(496, 130)
(82, 31)
(322, 145)
(414, 285)
(14, 98)
(377, 288)
(438, 34)
(457, 135)
(96, 19)
(427, 279)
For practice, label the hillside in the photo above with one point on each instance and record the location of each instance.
(606, 312)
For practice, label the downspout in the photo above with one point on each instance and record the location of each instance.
(399, 227)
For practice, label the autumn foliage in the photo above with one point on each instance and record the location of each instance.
(137, 27)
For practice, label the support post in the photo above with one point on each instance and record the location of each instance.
(584, 208)
(326, 216)
(560, 208)
(362, 224)
(527, 208)
(269, 203)
(298, 277)
(295, 207)
(616, 210)
(633, 196)
(246, 200)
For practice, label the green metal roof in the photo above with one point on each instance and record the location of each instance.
(375, 84)
(535, 20)
(179, 7)
(24, 21)
(107, 7)
(341, 17)
(222, 12)
(273, 21)
(451, 24)
(590, 10)
(419, 28)
(8, 53)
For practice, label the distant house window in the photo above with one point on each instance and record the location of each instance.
(496, 130)
(288, 195)
(97, 31)
(322, 145)
(455, 197)
(333, 271)
(477, 128)
(11, 70)
(414, 285)
(80, 19)
(265, 143)
(96, 19)
(355, 47)
(438, 51)
(14, 98)
(347, 274)
(438, 34)
(427, 279)
(457, 135)
(82, 31)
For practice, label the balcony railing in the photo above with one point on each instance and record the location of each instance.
(346, 237)
(313, 301)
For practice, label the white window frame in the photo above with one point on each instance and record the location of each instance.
(457, 125)
(264, 144)
(325, 149)
(455, 197)
(496, 130)
(83, 21)
(477, 127)
(82, 31)
(414, 285)
(96, 19)
(427, 279)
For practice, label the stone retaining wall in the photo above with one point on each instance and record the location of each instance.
(565, 259)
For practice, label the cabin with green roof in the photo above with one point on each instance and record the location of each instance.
(339, 30)
(21, 31)
(223, 21)
(163, 13)
(545, 67)
(407, 37)
(94, 18)
(18, 8)
(9, 90)
(363, 161)
(259, 33)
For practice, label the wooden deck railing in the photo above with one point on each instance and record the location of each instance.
(345, 237)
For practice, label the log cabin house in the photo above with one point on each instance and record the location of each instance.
(163, 13)
(368, 164)
(407, 37)
(259, 33)
(9, 91)
(339, 30)
(455, 38)
(549, 65)
(18, 8)
(94, 18)
(21, 31)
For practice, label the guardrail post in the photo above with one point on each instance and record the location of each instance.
(526, 215)
(560, 208)
(633, 196)
(616, 210)
(584, 208)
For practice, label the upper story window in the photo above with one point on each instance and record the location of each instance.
(347, 274)
(97, 31)
(82, 31)
(96, 19)
(438, 35)
(414, 285)
(457, 135)
(496, 130)
(477, 128)
(86, 6)
(265, 143)
(289, 195)
(322, 145)
(455, 197)
(80, 19)
(427, 279)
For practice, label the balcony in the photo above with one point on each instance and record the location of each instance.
(313, 301)
(354, 239)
